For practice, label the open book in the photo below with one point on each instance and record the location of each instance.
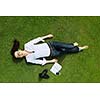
(56, 68)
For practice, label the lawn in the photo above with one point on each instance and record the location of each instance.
(81, 67)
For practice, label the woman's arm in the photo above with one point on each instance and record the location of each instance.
(51, 61)
(34, 41)
(47, 36)
(42, 62)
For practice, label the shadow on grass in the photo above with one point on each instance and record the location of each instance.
(62, 57)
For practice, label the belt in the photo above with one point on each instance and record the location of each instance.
(51, 48)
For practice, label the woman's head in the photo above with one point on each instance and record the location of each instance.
(19, 54)
(15, 52)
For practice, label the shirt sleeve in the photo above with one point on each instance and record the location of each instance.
(29, 45)
(34, 41)
(38, 61)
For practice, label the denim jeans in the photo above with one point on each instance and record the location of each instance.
(59, 48)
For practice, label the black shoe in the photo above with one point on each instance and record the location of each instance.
(44, 74)
(45, 71)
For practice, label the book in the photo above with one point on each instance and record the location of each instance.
(56, 68)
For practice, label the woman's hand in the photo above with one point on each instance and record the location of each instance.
(47, 36)
(54, 60)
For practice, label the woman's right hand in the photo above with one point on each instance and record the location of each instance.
(49, 35)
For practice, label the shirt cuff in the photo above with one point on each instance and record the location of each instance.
(44, 61)
(41, 39)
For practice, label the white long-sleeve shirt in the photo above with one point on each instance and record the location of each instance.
(38, 51)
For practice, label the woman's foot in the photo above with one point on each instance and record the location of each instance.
(75, 44)
(84, 47)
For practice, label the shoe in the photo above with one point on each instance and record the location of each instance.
(44, 74)
(45, 71)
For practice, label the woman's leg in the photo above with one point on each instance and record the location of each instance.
(77, 49)
(82, 48)
(59, 48)
(60, 45)
(73, 50)
(65, 48)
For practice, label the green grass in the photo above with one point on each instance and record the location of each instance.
(81, 67)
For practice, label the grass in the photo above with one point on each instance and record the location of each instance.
(81, 67)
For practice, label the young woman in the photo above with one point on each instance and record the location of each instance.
(34, 51)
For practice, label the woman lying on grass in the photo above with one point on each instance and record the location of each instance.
(34, 51)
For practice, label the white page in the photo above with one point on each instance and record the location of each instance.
(56, 68)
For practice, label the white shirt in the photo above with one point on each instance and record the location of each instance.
(39, 51)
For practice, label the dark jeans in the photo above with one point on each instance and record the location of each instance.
(59, 48)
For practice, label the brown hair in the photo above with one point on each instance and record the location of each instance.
(15, 47)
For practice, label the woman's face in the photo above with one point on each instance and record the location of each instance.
(19, 54)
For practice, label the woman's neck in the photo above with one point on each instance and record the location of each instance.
(26, 53)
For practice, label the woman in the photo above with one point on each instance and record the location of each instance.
(34, 51)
